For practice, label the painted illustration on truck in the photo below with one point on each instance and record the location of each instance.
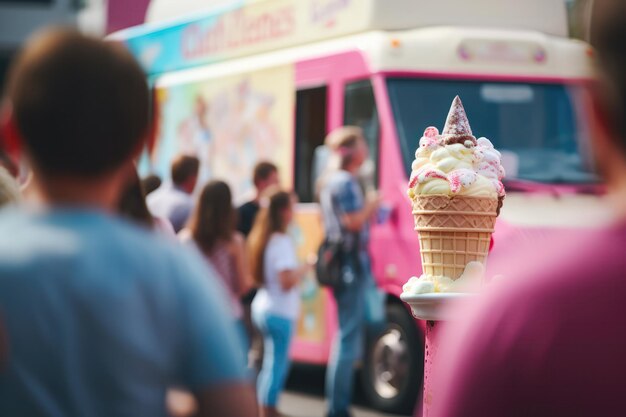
(229, 125)
(308, 234)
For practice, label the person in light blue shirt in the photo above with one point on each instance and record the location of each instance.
(96, 309)
(99, 317)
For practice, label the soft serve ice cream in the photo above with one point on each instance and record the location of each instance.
(455, 162)
(470, 281)
(456, 189)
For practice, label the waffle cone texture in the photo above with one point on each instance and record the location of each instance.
(453, 231)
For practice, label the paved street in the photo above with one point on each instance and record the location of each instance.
(297, 404)
(305, 395)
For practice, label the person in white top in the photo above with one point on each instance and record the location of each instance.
(173, 200)
(276, 305)
(132, 206)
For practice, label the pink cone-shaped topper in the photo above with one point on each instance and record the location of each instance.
(457, 128)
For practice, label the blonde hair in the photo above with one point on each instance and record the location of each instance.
(341, 135)
(269, 220)
(343, 142)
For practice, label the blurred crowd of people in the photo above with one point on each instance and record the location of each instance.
(116, 290)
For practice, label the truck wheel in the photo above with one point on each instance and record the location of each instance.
(394, 366)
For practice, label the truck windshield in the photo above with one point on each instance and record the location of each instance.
(535, 126)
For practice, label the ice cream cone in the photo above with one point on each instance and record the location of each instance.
(456, 192)
(453, 231)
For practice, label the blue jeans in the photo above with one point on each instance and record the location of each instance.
(348, 343)
(240, 325)
(277, 332)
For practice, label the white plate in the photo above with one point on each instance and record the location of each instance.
(433, 306)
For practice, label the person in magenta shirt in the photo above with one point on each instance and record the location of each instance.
(550, 340)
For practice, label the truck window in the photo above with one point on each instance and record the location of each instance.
(533, 124)
(310, 134)
(360, 110)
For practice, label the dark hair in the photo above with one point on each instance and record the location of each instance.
(150, 183)
(608, 36)
(183, 168)
(132, 203)
(262, 171)
(214, 217)
(268, 221)
(80, 104)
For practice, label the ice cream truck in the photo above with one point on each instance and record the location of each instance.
(266, 80)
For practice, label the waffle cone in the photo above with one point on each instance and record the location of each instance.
(453, 231)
